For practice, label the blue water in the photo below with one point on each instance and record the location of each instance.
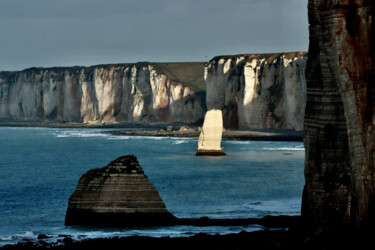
(40, 168)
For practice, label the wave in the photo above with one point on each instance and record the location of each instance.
(102, 134)
(287, 207)
(295, 148)
(7, 238)
(238, 142)
(267, 146)
(182, 141)
(156, 232)
(13, 239)
(119, 137)
(67, 134)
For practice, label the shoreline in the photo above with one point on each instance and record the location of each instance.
(278, 230)
(266, 239)
(244, 135)
(172, 130)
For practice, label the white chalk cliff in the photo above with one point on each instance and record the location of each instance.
(258, 91)
(254, 91)
(134, 93)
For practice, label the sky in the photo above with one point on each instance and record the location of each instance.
(47, 33)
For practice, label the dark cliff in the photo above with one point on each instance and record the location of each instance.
(339, 123)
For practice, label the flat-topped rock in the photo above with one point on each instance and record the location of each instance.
(209, 142)
(119, 194)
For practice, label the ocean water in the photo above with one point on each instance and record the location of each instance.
(40, 168)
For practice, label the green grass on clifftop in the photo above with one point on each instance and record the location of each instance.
(189, 74)
(269, 57)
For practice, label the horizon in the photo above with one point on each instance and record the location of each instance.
(134, 63)
(49, 34)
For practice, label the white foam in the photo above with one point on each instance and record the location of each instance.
(296, 148)
(238, 142)
(149, 137)
(29, 233)
(180, 141)
(13, 239)
(7, 238)
(271, 207)
(66, 134)
(119, 137)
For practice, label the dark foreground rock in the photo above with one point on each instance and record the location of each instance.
(339, 125)
(280, 239)
(267, 239)
(119, 194)
(291, 237)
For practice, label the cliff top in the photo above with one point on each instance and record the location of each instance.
(189, 74)
(268, 56)
(125, 164)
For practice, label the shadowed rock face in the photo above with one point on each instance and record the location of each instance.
(339, 123)
(209, 142)
(119, 194)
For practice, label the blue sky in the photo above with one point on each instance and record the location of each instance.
(46, 33)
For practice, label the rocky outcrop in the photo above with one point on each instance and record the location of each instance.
(209, 141)
(135, 93)
(119, 194)
(258, 91)
(339, 124)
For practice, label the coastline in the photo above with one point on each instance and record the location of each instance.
(279, 233)
(245, 135)
(171, 130)
(277, 239)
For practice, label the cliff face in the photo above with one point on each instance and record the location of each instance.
(339, 133)
(108, 93)
(258, 91)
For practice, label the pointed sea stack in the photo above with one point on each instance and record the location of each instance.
(210, 137)
(119, 194)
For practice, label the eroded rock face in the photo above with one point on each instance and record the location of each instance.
(209, 141)
(258, 91)
(133, 93)
(339, 133)
(119, 194)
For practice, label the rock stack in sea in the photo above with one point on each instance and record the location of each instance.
(119, 194)
(209, 142)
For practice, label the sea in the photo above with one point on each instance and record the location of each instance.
(40, 169)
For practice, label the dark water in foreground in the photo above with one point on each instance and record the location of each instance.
(40, 168)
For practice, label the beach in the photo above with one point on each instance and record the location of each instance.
(171, 130)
